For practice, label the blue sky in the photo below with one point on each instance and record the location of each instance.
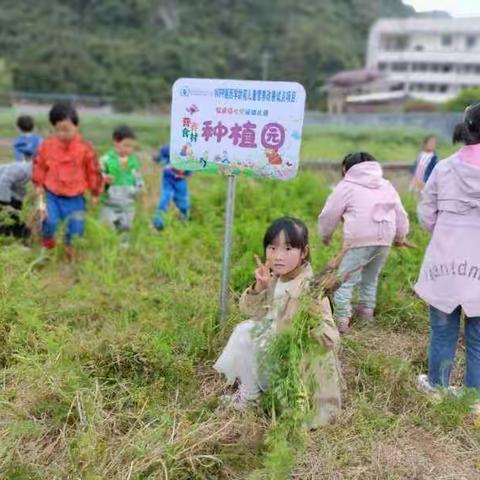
(457, 8)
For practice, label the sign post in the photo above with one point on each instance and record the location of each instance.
(227, 247)
(236, 127)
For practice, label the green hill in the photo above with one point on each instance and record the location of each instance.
(133, 50)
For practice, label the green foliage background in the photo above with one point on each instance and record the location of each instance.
(133, 50)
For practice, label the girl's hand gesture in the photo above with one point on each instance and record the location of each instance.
(262, 276)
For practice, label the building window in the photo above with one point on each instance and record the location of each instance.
(397, 87)
(394, 43)
(447, 40)
(432, 87)
(399, 67)
(382, 66)
(470, 41)
(446, 68)
(417, 87)
(419, 48)
(419, 67)
(443, 88)
(477, 68)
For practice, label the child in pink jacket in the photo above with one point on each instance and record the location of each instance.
(449, 279)
(373, 219)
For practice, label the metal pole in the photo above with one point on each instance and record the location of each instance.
(227, 248)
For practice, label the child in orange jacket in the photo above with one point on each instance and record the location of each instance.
(65, 167)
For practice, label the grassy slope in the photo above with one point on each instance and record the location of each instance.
(106, 364)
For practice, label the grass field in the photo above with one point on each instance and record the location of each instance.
(106, 364)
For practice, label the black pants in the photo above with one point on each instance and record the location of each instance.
(10, 222)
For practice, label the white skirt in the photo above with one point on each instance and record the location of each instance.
(240, 357)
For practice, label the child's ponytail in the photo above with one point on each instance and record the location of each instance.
(472, 124)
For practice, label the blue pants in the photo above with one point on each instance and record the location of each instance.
(71, 209)
(443, 345)
(175, 189)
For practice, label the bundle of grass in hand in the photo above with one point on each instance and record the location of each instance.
(34, 224)
(329, 279)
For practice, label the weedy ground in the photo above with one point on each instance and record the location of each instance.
(106, 364)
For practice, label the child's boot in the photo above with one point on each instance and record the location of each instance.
(184, 214)
(48, 243)
(365, 313)
(242, 398)
(158, 221)
(343, 324)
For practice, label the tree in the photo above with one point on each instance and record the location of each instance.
(5, 82)
(463, 100)
(134, 50)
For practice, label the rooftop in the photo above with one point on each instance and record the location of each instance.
(429, 24)
(348, 78)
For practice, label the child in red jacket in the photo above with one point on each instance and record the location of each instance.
(65, 167)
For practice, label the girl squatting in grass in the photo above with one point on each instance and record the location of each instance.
(271, 303)
(449, 282)
(373, 219)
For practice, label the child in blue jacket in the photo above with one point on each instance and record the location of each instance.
(26, 145)
(174, 187)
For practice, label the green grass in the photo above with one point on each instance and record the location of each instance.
(387, 145)
(106, 364)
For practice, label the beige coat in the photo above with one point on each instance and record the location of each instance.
(321, 375)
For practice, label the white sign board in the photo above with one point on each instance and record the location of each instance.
(237, 126)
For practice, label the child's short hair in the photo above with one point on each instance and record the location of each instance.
(122, 132)
(354, 158)
(63, 111)
(296, 233)
(428, 138)
(25, 123)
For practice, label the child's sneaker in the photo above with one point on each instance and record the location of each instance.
(476, 408)
(240, 400)
(158, 223)
(343, 324)
(365, 313)
(424, 385)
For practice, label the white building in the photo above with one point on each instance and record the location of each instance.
(429, 58)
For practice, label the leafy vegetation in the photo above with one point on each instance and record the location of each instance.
(106, 364)
(133, 51)
(463, 100)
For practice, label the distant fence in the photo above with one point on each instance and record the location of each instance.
(37, 102)
(441, 123)
(391, 167)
